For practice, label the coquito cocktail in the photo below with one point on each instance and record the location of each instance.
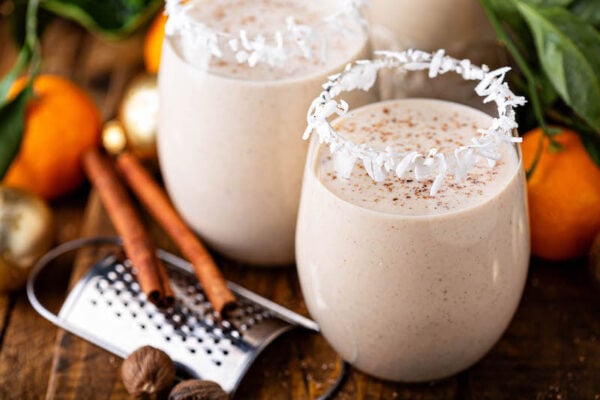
(414, 275)
(236, 78)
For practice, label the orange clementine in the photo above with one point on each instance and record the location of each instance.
(61, 123)
(564, 196)
(153, 43)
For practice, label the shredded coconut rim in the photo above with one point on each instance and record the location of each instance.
(272, 48)
(429, 165)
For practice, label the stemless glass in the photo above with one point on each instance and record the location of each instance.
(235, 80)
(458, 26)
(409, 296)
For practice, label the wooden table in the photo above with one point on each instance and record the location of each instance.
(550, 351)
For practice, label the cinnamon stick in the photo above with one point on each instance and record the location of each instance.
(159, 205)
(151, 273)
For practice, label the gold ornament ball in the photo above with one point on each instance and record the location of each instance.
(25, 235)
(113, 137)
(139, 115)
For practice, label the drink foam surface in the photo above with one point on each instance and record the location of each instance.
(266, 18)
(416, 125)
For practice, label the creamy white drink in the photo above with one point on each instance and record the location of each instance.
(228, 138)
(406, 285)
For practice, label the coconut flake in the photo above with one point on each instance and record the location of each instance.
(431, 164)
(274, 51)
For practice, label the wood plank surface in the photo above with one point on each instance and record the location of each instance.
(27, 345)
(550, 351)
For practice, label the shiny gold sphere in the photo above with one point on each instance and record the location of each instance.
(25, 235)
(114, 139)
(139, 115)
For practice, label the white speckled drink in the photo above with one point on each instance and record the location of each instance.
(407, 286)
(228, 140)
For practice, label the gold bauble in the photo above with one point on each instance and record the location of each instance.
(25, 235)
(114, 139)
(139, 115)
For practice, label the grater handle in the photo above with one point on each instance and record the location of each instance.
(47, 259)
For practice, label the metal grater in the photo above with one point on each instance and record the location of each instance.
(107, 308)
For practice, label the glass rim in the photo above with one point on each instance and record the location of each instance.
(430, 164)
(272, 48)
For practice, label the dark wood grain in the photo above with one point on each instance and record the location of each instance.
(27, 346)
(80, 370)
(550, 351)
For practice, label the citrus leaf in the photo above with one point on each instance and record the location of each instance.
(111, 18)
(592, 145)
(569, 52)
(20, 65)
(12, 115)
(588, 10)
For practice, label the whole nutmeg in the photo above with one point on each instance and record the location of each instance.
(196, 389)
(148, 373)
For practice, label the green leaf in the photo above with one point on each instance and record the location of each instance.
(548, 94)
(592, 145)
(588, 10)
(21, 64)
(569, 52)
(111, 18)
(12, 115)
(18, 21)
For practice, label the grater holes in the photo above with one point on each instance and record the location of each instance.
(142, 326)
(135, 287)
(217, 363)
(208, 351)
(192, 350)
(127, 277)
(225, 352)
(118, 314)
(94, 302)
(120, 268)
(102, 284)
(168, 338)
(112, 275)
(226, 324)
(199, 340)
(133, 314)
